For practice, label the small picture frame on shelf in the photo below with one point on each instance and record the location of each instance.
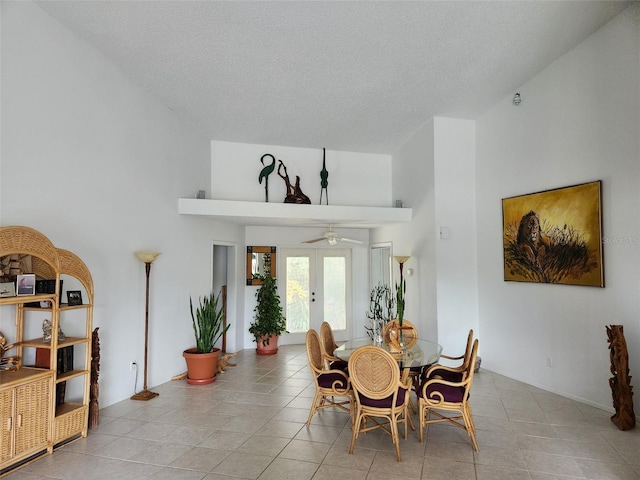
(7, 289)
(74, 297)
(26, 284)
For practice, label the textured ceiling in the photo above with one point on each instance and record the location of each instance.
(356, 76)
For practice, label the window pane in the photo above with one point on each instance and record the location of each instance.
(297, 304)
(335, 292)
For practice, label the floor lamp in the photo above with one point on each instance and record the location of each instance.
(147, 258)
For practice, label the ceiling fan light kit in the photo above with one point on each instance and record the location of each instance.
(332, 238)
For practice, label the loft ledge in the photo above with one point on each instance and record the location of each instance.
(263, 213)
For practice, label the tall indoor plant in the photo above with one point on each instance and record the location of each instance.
(269, 323)
(381, 310)
(208, 328)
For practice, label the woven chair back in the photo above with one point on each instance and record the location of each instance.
(374, 372)
(409, 332)
(467, 353)
(469, 370)
(326, 339)
(314, 351)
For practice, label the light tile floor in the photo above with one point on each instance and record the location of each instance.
(250, 424)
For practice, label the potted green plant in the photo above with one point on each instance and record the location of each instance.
(208, 327)
(269, 323)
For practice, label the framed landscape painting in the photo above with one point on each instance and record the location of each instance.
(554, 236)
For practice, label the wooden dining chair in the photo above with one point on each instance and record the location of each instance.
(409, 331)
(382, 399)
(440, 398)
(329, 383)
(329, 346)
(454, 372)
(410, 335)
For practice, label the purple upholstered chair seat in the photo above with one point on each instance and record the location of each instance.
(339, 365)
(332, 380)
(383, 402)
(447, 375)
(450, 394)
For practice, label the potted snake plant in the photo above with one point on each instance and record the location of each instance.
(208, 327)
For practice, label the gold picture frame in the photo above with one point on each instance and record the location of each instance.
(554, 236)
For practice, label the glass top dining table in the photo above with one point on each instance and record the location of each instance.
(418, 352)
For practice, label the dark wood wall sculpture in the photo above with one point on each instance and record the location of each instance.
(94, 407)
(620, 383)
(294, 193)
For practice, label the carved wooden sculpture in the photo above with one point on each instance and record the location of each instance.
(620, 383)
(294, 194)
(94, 408)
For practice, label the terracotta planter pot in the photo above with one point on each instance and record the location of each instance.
(201, 367)
(271, 348)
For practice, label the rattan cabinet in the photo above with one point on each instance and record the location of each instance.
(43, 405)
(24, 408)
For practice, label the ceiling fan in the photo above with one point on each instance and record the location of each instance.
(332, 238)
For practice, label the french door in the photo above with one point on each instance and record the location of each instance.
(315, 286)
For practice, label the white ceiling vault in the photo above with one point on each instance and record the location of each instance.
(357, 76)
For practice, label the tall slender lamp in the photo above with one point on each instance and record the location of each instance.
(147, 258)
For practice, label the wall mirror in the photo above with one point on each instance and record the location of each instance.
(380, 264)
(260, 260)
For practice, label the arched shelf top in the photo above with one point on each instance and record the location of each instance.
(27, 241)
(71, 264)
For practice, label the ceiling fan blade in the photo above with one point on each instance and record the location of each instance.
(315, 240)
(350, 240)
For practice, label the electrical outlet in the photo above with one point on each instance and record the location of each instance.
(549, 362)
(132, 365)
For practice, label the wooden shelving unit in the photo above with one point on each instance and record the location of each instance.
(38, 421)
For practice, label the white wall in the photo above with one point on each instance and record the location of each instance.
(97, 164)
(455, 213)
(236, 168)
(413, 183)
(434, 174)
(579, 121)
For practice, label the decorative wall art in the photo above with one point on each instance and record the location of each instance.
(554, 236)
(294, 192)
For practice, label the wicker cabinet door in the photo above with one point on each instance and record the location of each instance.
(6, 414)
(32, 416)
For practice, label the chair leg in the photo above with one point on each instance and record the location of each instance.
(354, 431)
(394, 434)
(413, 427)
(314, 405)
(421, 413)
(471, 428)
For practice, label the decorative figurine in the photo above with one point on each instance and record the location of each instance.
(324, 183)
(46, 331)
(294, 194)
(265, 172)
(7, 363)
